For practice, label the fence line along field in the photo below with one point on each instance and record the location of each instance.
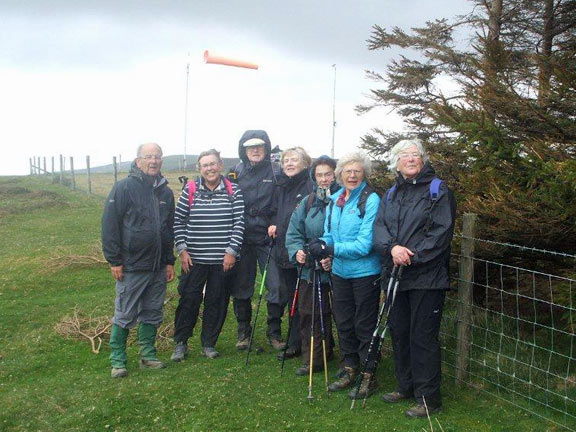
(517, 374)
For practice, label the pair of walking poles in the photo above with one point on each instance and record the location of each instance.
(377, 340)
(316, 293)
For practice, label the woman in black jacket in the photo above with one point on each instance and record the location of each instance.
(413, 229)
(293, 185)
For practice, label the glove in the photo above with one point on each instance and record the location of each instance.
(319, 249)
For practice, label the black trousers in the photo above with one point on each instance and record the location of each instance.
(305, 301)
(288, 279)
(216, 296)
(355, 306)
(415, 325)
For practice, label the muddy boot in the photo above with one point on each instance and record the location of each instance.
(367, 387)
(118, 337)
(346, 380)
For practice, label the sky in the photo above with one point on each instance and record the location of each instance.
(101, 77)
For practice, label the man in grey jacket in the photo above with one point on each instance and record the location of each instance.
(138, 241)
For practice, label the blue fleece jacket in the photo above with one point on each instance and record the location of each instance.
(351, 236)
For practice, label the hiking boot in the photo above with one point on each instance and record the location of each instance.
(180, 352)
(367, 387)
(395, 397)
(243, 343)
(346, 380)
(151, 364)
(118, 372)
(210, 352)
(289, 353)
(277, 343)
(305, 370)
(420, 411)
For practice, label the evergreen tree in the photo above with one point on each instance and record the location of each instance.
(493, 94)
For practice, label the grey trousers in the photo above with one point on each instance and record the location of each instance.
(140, 298)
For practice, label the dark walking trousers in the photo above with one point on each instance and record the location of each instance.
(216, 296)
(305, 310)
(288, 278)
(356, 304)
(415, 326)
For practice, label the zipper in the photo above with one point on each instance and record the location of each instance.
(156, 212)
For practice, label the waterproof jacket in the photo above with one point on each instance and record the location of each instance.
(411, 219)
(289, 193)
(258, 183)
(351, 235)
(305, 226)
(137, 223)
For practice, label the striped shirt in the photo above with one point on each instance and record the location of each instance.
(212, 226)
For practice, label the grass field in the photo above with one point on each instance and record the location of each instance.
(48, 383)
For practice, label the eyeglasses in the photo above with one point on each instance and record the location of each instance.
(151, 157)
(208, 165)
(349, 172)
(405, 155)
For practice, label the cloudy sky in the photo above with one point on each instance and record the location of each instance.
(82, 77)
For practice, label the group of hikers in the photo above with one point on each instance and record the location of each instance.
(325, 242)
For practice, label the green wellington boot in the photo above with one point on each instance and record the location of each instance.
(146, 340)
(118, 336)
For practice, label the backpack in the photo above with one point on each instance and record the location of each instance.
(434, 191)
(192, 190)
(366, 192)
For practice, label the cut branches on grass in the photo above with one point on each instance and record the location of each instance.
(78, 325)
(61, 259)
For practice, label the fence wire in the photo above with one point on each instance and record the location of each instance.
(522, 335)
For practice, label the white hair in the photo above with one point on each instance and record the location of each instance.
(402, 146)
(353, 157)
(141, 147)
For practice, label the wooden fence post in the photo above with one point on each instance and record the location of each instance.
(31, 167)
(465, 299)
(115, 169)
(88, 174)
(52, 169)
(72, 173)
(44, 159)
(61, 170)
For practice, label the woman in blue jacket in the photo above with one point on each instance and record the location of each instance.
(356, 266)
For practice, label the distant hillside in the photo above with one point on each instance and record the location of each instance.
(171, 163)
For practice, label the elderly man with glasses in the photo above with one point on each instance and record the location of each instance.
(137, 240)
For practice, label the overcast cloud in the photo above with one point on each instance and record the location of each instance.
(76, 75)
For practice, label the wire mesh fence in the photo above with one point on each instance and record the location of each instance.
(522, 329)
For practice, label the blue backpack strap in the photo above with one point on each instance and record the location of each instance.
(391, 192)
(435, 188)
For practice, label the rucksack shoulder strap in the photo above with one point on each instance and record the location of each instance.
(229, 188)
(309, 202)
(366, 192)
(191, 192)
(435, 188)
(391, 192)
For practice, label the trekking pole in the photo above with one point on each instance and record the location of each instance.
(386, 325)
(291, 316)
(259, 302)
(375, 334)
(322, 328)
(311, 363)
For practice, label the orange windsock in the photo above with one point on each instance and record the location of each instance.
(208, 58)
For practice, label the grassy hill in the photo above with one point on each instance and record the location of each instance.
(49, 266)
(170, 163)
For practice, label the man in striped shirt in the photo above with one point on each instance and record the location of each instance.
(208, 231)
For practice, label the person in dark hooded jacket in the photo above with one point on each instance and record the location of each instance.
(413, 229)
(293, 185)
(138, 241)
(257, 177)
(306, 224)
